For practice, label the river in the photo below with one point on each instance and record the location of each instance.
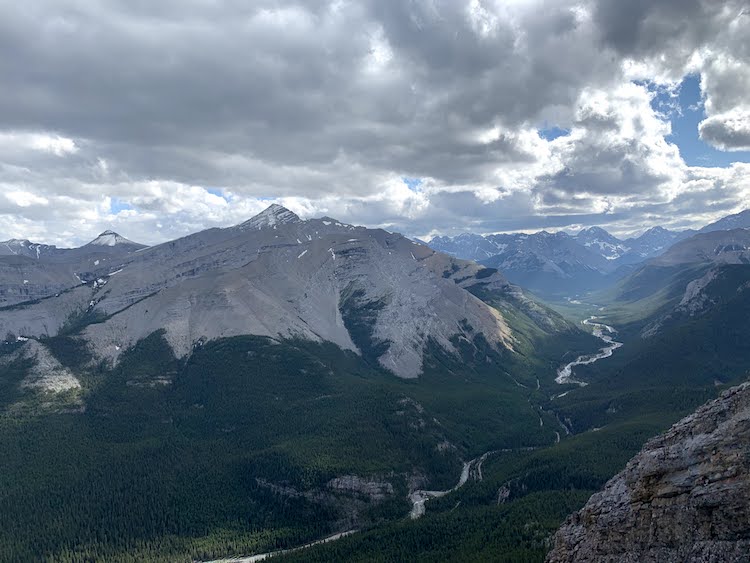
(417, 498)
(264, 556)
(601, 331)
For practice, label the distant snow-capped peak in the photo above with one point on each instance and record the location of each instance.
(272, 216)
(110, 238)
(606, 244)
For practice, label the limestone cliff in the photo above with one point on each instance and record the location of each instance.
(684, 497)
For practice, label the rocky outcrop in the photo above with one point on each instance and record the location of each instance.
(715, 288)
(351, 496)
(353, 484)
(46, 373)
(684, 497)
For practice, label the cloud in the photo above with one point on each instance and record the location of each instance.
(617, 147)
(22, 198)
(667, 39)
(53, 144)
(326, 105)
(728, 131)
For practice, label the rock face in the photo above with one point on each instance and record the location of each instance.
(353, 484)
(46, 373)
(684, 497)
(367, 290)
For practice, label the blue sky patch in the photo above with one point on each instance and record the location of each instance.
(412, 183)
(116, 205)
(550, 133)
(217, 192)
(685, 110)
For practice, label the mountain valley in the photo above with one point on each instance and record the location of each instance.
(559, 264)
(260, 387)
(320, 370)
(327, 281)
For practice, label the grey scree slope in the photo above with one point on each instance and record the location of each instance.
(274, 275)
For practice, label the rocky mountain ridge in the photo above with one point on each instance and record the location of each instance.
(719, 247)
(689, 279)
(684, 497)
(596, 239)
(560, 262)
(274, 275)
(739, 220)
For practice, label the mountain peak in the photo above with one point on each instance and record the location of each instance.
(109, 238)
(656, 232)
(596, 235)
(596, 231)
(272, 216)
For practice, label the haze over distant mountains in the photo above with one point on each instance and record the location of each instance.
(561, 263)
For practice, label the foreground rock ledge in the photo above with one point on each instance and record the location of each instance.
(684, 497)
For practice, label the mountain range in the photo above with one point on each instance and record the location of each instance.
(279, 378)
(273, 275)
(258, 387)
(681, 322)
(559, 264)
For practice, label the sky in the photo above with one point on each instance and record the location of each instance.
(158, 119)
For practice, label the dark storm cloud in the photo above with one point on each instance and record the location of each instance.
(323, 103)
(286, 88)
(667, 29)
(642, 28)
(729, 132)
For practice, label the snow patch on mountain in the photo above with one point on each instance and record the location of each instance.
(273, 216)
(605, 244)
(110, 238)
(24, 247)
